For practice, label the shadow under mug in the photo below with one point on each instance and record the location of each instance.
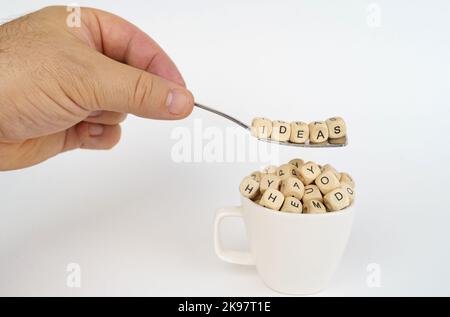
(293, 253)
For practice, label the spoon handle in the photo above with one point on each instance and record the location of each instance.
(240, 123)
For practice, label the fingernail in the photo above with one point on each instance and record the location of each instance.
(177, 101)
(95, 113)
(95, 129)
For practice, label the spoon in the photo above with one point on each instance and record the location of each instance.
(330, 143)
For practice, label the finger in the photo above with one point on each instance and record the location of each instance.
(91, 136)
(124, 42)
(83, 135)
(136, 91)
(106, 117)
(21, 154)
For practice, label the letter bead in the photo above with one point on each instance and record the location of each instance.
(347, 179)
(312, 192)
(281, 131)
(318, 132)
(299, 132)
(269, 181)
(337, 199)
(261, 128)
(285, 171)
(292, 186)
(336, 128)
(308, 172)
(297, 162)
(249, 187)
(292, 204)
(327, 181)
(314, 207)
(272, 199)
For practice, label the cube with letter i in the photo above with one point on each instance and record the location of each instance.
(261, 128)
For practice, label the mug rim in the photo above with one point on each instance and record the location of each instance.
(279, 213)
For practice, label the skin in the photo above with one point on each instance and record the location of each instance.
(64, 88)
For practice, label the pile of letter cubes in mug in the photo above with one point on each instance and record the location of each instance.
(300, 187)
(332, 130)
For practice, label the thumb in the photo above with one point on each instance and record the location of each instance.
(126, 89)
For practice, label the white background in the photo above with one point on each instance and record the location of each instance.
(140, 224)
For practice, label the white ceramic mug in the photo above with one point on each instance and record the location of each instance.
(293, 253)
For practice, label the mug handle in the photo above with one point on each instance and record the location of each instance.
(231, 256)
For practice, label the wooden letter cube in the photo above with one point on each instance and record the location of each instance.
(299, 132)
(292, 186)
(350, 191)
(272, 199)
(269, 181)
(337, 199)
(312, 192)
(271, 169)
(308, 172)
(318, 132)
(320, 166)
(285, 171)
(328, 167)
(261, 128)
(336, 128)
(347, 179)
(281, 131)
(314, 207)
(256, 176)
(327, 181)
(297, 162)
(292, 204)
(249, 187)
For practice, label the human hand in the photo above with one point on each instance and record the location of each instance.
(63, 88)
